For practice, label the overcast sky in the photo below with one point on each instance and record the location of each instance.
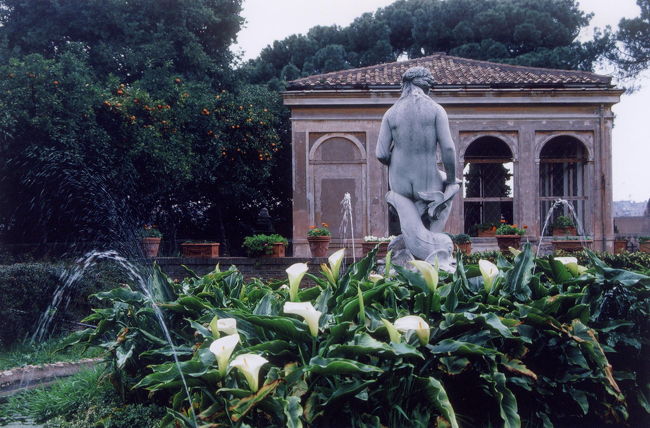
(268, 20)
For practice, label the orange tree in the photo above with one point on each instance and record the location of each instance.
(117, 112)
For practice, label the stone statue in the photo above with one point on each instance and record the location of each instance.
(411, 132)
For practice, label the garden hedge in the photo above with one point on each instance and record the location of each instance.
(27, 289)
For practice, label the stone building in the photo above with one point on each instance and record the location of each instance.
(524, 136)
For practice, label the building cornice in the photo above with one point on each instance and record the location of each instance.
(450, 96)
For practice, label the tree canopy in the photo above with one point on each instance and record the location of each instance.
(118, 112)
(539, 33)
(633, 37)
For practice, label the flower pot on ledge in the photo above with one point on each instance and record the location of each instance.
(565, 231)
(150, 246)
(366, 247)
(318, 245)
(507, 241)
(620, 246)
(487, 233)
(571, 245)
(205, 250)
(278, 251)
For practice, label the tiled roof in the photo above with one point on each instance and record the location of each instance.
(450, 71)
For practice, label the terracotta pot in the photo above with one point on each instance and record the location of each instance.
(620, 245)
(571, 244)
(366, 247)
(278, 251)
(205, 250)
(506, 241)
(318, 245)
(565, 231)
(150, 246)
(488, 233)
(465, 248)
(644, 246)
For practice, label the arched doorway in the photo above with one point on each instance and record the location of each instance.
(487, 183)
(337, 165)
(562, 176)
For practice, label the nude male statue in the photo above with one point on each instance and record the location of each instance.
(411, 132)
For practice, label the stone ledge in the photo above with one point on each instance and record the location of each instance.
(20, 378)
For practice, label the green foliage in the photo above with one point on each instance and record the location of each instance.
(26, 291)
(125, 112)
(532, 33)
(633, 36)
(150, 231)
(49, 351)
(542, 346)
(563, 222)
(644, 239)
(260, 244)
(487, 226)
(461, 238)
(509, 229)
(323, 230)
(82, 400)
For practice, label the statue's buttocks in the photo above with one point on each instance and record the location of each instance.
(412, 131)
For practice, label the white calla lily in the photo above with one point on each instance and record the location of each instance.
(414, 322)
(514, 251)
(249, 365)
(335, 261)
(307, 311)
(223, 349)
(571, 263)
(227, 325)
(374, 278)
(295, 272)
(489, 271)
(428, 271)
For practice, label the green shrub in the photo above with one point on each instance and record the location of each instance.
(461, 238)
(508, 229)
(536, 345)
(26, 291)
(562, 222)
(323, 230)
(150, 231)
(49, 351)
(83, 400)
(258, 245)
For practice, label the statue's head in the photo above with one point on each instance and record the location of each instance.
(418, 76)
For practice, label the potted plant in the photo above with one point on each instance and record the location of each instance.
(571, 243)
(509, 235)
(486, 230)
(200, 249)
(370, 242)
(319, 240)
(620, 244)
(265, 245)
(150, 238)
(644, 244)
(462, 242)
(563, 226)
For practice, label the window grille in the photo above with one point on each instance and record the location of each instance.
(562, 176)
(487, 183)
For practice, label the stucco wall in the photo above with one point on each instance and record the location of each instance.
(524, 120)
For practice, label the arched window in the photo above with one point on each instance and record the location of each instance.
(562, 176)
(487, 183)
